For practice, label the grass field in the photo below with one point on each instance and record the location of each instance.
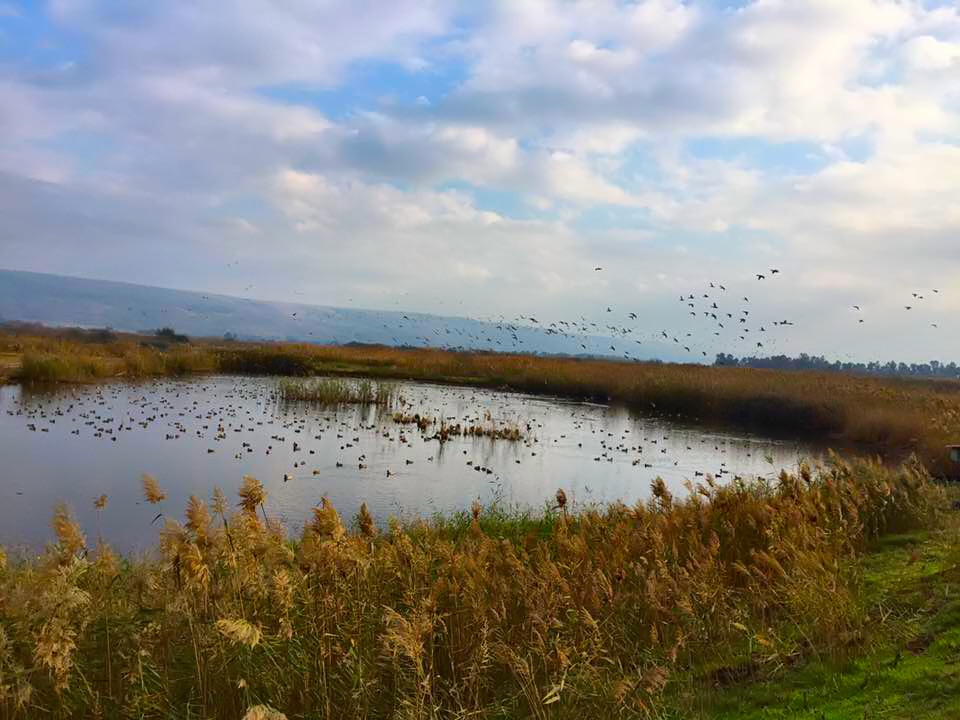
(825, 594)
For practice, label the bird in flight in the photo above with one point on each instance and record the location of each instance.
(597, 269)
(760, 276)
(856, 307)
(774, 271)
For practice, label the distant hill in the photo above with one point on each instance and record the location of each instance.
(69, 301)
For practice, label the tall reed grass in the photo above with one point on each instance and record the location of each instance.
(67, 362)
(594, 614)
(327, 391)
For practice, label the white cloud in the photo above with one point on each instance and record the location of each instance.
(778, 68)
(252, 43)
(189, 129)
(926, 52)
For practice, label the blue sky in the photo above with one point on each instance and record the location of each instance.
(493, 153)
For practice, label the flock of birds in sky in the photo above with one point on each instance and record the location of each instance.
(715, 320)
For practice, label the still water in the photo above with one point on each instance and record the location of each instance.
(76, 443)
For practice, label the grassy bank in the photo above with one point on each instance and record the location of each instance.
(618, 612)
(909, 664)
(893, 418)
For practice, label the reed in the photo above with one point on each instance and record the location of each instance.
(606, 612)
(84, 364)
(326, 391)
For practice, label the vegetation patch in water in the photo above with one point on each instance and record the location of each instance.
(332, 391)
(421, 421)
(488, 429)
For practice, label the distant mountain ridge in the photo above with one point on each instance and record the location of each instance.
(70, 301)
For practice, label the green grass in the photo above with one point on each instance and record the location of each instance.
(909, 668)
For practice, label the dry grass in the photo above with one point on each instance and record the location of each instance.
(890, 417)
(9, 364)
(328, 391)
(52, 359)
(589, 615)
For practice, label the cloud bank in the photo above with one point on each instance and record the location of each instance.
(483, 158)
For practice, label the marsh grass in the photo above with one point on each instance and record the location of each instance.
(66, 362)
(597, 613)
(333, 391)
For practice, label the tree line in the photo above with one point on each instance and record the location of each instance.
(931, 369)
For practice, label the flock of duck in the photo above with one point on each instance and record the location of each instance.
(239, 420)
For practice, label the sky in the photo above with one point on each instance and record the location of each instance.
(483, 158)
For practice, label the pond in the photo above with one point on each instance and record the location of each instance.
(74, 443)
